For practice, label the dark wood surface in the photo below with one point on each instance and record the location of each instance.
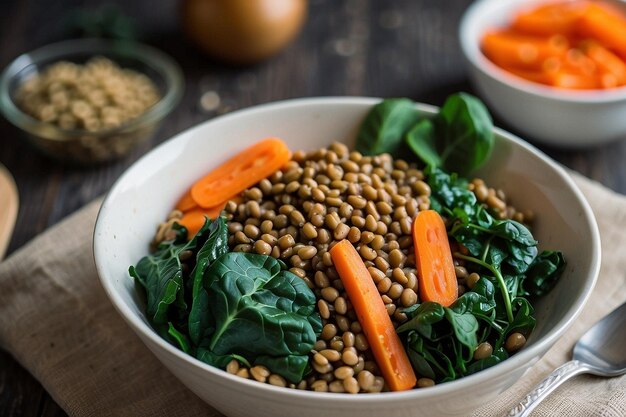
(348, 47)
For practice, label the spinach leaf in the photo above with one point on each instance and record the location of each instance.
(422, 141)
(523, 322)
(180, 338)
(216, 245)
(385, 125)
(451, 198)
(161, 275)
(496, 357)
(261, 312)
(543, 273)
(423, 316)
(464, 326)
(459, 138)
(480, 301)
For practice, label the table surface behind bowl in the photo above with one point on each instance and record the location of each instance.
(348, 47)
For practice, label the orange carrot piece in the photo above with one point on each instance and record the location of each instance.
(193, 221)
(240, 172)
(186, 203)
(510, 49)
(386, 346)
(575, 81)
(606, 25)
(550, 19)
(433, 258)
(606, 61)
(540, 77)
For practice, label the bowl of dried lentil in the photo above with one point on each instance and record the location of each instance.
(90, 100)
(144, 196)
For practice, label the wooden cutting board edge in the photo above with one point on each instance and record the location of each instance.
(9, 205)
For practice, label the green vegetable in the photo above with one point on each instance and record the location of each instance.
(459, 138)
(440, 341)
(543, 273)
(161, 275)
(215, 246)
(385, 125)
(261, 312)
(231, 305)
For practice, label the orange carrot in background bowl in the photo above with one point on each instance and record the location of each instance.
(565, 44)
(550, 19)
(606, 61)
(386, 346)
(513, 49)
(605, 24)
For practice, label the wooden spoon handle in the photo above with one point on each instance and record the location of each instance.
(9, 203)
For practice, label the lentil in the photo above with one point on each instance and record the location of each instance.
(349, 357)
(425, 383)
(277, 380)
(471, 280)
(483, 351)
(514, 342)
(260, 373)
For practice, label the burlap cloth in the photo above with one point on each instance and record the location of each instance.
(57, 322)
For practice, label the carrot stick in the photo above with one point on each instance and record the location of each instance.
(550, 19)
(575, 81)
(605, 60)
(240, 172)
(435, 267)
(186, 203)
(193, 219)
(605, 25)
(372, 314)
(515, 50)
(531, 75)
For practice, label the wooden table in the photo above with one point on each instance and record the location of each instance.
(348, 47)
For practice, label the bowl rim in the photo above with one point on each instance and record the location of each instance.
(58, 51)
(470, 46)
(524, 356)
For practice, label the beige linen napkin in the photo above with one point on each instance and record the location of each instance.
(57, 322)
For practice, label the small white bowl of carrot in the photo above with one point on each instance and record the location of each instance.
(553, 70)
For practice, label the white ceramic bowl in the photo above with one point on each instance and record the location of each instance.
(559, 117)
(145, 194)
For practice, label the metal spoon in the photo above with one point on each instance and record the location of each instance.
(599, 352)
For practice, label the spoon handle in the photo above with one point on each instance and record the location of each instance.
(545, 387)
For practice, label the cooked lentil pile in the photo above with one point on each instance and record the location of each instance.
(98, 95)
(318, 199)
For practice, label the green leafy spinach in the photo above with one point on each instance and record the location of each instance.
(459, 138)
(385, 125)
(231, 305)
(440, 341)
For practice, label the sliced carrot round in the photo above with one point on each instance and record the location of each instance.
(240, 172)
(433, 258)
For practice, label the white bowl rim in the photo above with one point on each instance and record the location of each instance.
(509, 365)
(471, 49)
